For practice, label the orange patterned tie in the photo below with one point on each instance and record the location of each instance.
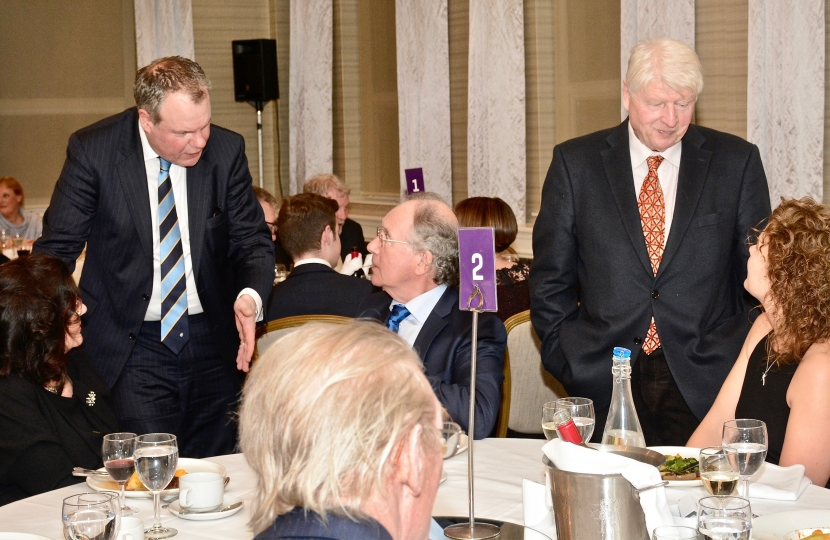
(653, 218)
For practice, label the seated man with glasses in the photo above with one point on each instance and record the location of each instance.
(415, 261)
(308, 231)
(270, 207)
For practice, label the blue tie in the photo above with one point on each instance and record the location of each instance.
(398, 314)
(175, 331)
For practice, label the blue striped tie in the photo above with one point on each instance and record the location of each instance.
(396, 316)
(174, 325)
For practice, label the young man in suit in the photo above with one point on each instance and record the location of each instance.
(308, 230)
(350, 231)
(649, 220)
(415, 261)
(178, 257)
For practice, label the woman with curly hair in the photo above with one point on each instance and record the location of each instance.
(782, 375)
(54, 406)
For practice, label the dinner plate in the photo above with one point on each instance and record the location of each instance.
(100, 483)
(21, 536)
(684, 451)
(177, 511)
(776, 526)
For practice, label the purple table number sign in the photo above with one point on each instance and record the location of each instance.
(414, 180)
(477, 263)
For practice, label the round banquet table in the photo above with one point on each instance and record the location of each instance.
(500, 466)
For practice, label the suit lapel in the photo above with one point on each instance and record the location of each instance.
(617, 162)
(198, 201)
(133, 177)
(694, 162)
(436, 322)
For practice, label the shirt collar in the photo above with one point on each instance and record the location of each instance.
(422, 305)
(148, 151)
(640, 152)
(311, 260)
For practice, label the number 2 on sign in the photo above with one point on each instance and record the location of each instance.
(415, 185)
(477, 258)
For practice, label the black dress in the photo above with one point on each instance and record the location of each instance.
(512, 290)
(45, 435)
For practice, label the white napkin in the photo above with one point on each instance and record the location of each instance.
(351, 264)
(575, 458)
(538, 507)
(778, 483)
(436, 532)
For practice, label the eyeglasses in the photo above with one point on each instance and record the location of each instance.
(272, 227)
(383, 234)
(450, 439)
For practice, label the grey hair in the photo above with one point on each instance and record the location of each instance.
(166, 76)
(437, 232)
(668, 60)
(323, 183)
(323, 410)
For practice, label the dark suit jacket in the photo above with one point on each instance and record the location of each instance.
(352, 236)
(444, 344)
(588, 232)
(316, 289)
(102, 200)
(301, 525)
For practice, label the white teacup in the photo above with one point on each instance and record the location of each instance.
(201, 491)
(132, 528)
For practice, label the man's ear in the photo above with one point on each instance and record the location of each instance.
(409, 465)
(146, 121)
(424, 265)
(327, 237)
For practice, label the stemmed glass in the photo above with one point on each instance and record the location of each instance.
(450, 439)
(548, 425)
(156, 457)
(724, 518)
(674, 532)
(117, 452)
(582, 412)
(91, 515)
(280, 273)
(719, 469)
(749, 439)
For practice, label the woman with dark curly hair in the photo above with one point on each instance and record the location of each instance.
(54, 406)
(782, 375)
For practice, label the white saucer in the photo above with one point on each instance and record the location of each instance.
(444, 477)
(463, 443)
(177, 511)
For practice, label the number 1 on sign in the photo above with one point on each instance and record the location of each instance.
(415, 185)
(477, 258)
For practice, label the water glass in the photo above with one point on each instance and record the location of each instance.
(724, 518)
(91, 515)
(156, 457)
(582, 412)
(117, 453)
(4, 239)
(749, 439)
(675, 532)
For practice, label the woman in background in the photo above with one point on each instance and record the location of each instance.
(511, 274)
(12, 216)
(54, 406)
(782, 374)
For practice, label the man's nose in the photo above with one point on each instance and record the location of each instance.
(374, 246)
(670, 115)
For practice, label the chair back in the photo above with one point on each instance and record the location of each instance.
(274, 330)
(527, 385)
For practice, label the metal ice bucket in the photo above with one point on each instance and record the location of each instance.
(599, 506)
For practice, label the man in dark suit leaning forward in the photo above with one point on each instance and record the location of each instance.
(415, 261)
(308, 231)
(650, 219)
(178, 261)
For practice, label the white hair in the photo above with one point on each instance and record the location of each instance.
(668, 60)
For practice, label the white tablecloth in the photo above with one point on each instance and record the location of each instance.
(500, 465)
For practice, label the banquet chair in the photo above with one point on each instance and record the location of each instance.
(274, 330)
(527, 385)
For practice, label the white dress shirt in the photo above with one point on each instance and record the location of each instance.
(178, 177)
(312, 260)
(419, 309)
(666, 173)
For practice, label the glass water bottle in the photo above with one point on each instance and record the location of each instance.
(622, 426)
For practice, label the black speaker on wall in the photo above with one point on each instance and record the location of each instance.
(255, 70)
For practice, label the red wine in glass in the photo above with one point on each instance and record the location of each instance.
(120, 469)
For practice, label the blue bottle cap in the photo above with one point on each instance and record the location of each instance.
(621, 354)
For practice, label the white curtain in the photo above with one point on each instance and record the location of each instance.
(424, 92)
(649, 19)
(163, 28)
(785, 94)
(496, 136)
(310, 141)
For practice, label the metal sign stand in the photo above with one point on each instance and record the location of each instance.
(472, 530)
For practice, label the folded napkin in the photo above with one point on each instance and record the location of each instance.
(778, 483)
(351, 264)
(538, 507)
(575, 458)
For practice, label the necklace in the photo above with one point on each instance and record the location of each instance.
(769, 366)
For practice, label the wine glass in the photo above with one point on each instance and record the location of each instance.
(548, 425)
(117, 452)
(156, 456)
(749, 439)
(719, 469)
(675, 532)
(582, 412)
(280, 273)
(91, 515)
(17, 240)
(724, 518)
